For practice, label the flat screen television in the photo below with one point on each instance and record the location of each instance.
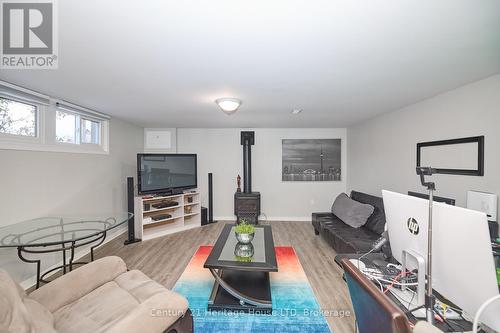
(166, 173)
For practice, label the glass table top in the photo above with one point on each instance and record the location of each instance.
(255, 251)
(258, 255)
(56, 230)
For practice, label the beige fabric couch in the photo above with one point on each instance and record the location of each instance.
(101, 296)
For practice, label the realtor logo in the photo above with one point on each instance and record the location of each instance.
(29, 34)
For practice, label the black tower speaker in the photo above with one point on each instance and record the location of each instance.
(130, 205)
(204, 218)
(210, 199)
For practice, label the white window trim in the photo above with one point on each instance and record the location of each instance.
(13, 139)
(45, 139)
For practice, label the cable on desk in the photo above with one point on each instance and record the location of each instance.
(481, 309)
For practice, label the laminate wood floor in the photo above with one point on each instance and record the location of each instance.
(165, 258)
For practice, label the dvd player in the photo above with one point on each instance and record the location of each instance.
(164, 204)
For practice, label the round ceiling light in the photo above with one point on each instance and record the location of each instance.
(228, 104)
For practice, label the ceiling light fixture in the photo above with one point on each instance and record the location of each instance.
(296, 111)
(228, 104)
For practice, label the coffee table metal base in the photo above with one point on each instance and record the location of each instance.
(247, 291)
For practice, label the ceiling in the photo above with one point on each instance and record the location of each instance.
(159, 63)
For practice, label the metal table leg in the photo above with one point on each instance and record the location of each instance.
(244, 299)
(20, 250)
(64, 246)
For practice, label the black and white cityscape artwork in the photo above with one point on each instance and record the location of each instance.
(311, 160)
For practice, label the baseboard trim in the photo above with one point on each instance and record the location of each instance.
(225, 218)
(31, 281)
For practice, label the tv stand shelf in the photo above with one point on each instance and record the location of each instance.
(185, 215)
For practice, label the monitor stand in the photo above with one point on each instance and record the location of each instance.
(407, 297)
(409, 301)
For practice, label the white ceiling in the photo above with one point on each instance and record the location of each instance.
(163, 63)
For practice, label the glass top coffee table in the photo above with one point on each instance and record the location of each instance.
(241, 271)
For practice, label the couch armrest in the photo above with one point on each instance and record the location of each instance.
(321, 214)
(315, 219)
(76, 284)
(154, 315)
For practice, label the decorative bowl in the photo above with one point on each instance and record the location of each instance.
(244, 252)
(245, 238)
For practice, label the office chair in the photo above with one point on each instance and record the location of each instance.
(375, 312)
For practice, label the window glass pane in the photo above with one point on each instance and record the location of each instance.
(66, 127)
(90, 131)
(17, 118)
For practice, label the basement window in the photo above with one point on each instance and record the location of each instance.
(32, 121)
(18, 118)
(90, 131)
(66, 127)
(78, 129)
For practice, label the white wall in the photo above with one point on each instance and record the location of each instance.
(382, 151)
(219, 151)
(36, 184)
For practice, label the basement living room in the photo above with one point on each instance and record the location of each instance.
(264, 166)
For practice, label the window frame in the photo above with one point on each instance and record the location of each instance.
(76, 133)
(45, 138)
(17, 138)
(79, 118)
(99, 134)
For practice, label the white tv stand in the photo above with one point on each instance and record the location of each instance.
(185, 215)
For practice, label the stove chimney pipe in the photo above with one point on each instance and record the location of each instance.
(247, 140)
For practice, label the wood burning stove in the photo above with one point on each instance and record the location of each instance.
(247, 203)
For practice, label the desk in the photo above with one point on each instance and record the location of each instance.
(375, 258)
(58, 234)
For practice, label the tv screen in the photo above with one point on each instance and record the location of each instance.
(157, 173)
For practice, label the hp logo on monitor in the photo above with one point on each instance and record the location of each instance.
(413, 226)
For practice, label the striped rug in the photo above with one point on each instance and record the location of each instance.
(295, 308)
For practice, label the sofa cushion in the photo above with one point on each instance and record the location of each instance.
(351, 212)
(346, 239)
(96, 311)
(376, 222)
(137, 284)
(109, 306)
(78, 283)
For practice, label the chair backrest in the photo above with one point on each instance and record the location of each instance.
(375, 312)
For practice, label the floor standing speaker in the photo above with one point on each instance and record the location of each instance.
(204, 216)
(130, 208)
(210, 199)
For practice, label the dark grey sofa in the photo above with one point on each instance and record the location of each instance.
(346, 239)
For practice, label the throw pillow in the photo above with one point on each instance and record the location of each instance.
(351, 212)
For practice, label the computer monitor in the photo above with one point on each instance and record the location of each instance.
(463, 268)
(448, 201)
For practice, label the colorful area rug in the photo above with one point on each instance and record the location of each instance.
(295, 308)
